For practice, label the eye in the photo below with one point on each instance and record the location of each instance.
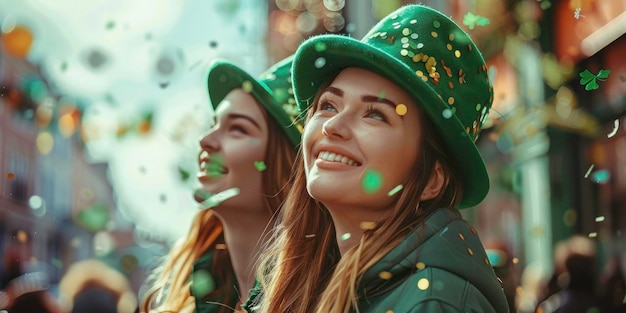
(375, 114)
(326, 106)
(237, 129)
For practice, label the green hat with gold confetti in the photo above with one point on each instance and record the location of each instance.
(272, 90)
(433, 59)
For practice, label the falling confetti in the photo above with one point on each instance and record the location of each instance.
(589, 80)
(601, 177)
(345, 236)
(214, 167)
(471, 20)
(220, 246)
(577, 14)
(260, 166)
(10, 175)
(589, 171)
(310, 236)
(615, 128)
(367, 225)
(372, 181)
(401, 109)
(447, 113)
(320, 62)
(320, 46)
(247, 86)
(216, 199)
(420, 265)
(593, 235)
(385, 275)
(395, 190)
(423, 284)
(599, 219)
(95, 217)
(381, 95)
(545, 4)
(202, 283)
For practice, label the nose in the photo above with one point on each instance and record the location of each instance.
(209, 142)
(337, 127)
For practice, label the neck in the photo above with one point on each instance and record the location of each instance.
(349, 225)
(244, 237)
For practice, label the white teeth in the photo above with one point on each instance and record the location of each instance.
(335, 157)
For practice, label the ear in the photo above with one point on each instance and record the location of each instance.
(435, 183)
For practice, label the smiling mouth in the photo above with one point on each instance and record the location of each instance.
(213, 168)
(336, 157)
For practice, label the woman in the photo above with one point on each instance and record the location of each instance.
(388, 156)
(250, 150)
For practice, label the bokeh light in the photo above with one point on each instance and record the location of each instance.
(372, 181)
(45, 142)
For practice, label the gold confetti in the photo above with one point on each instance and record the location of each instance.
(247, 86)
(401, 109)
(367, 225)
(420, 265)
(10, 175)
(423, 284)
(220, 246)
(385, 275)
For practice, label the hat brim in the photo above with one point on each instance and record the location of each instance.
(321, 57)
(225, 77)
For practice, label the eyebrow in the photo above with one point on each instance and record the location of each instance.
(365, 98)
(233, 116)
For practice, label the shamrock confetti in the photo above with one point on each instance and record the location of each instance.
(372, 181)
(260, 166)
(588, 79)
(615, 129)
(471, 20)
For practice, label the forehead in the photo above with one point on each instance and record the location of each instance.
(240, 102)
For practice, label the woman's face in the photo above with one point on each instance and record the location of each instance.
(232, 153)
(361, 141)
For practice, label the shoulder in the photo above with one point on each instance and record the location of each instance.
(431, 290)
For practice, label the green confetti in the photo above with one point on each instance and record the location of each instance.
(214, 166)
(202, 283)
(471, 20)
(94, 218)
(184, 174)
(381, 95)
(346, 236)
(601, 177)
(110, 25)
(395, 190)
(545, 5)
(589, 80)
(260, 166)
(320, 46)
(372, 181)
(56, 262)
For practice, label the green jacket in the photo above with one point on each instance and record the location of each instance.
(440, 267)
(205, 283)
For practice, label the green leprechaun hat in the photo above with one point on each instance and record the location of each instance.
(432, 58)
(272, 90)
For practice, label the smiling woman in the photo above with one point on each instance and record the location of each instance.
(388, 156)
(250, 149)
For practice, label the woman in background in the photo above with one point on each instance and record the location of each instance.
(248, 154)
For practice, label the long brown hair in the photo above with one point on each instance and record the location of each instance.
(171, 290)
(302, 271)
